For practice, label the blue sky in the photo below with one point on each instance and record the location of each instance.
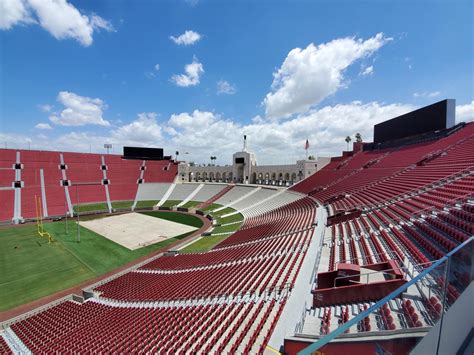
(79, 73)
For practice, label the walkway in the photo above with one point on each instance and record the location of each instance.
(300, 297)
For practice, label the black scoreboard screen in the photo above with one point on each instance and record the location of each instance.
(143, 153)
(426, 119)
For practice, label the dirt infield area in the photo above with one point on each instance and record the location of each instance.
(136, 230)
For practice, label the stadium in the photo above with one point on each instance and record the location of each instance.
(236, 177)
(372, 252)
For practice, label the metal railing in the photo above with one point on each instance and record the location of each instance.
(445, 262)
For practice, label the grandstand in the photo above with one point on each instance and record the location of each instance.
(366, 225)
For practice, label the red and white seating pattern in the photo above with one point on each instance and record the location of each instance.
(85, 173)
(411, 213)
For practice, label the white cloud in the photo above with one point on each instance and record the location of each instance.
(465, 113)
(144, 130)
(204, 133)
(13, 12)
(224, 87)
(367, 71)
(307, 76)
(81, 142)
(192, 74)
(277, 142)
(46, 107)
(157, 67)
(187, 38)
(426, 94)
(192, 121)
(79, 111)
(60, 18)
(43, 126)
(99, 23)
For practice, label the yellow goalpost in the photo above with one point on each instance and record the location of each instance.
(39, 220)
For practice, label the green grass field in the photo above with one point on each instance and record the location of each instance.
(190, 204)
(32, 268)
(171, 203)
(208, 242)
(230, 219)
(231, 228)
(145, 204)
(204, 244)
(211, 207)
(91, 207)
(122, 204)
(222, 212)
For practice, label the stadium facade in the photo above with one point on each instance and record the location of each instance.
(245, 170)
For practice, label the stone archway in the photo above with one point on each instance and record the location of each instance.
(293, 178)
(273, 179)
(267, 178)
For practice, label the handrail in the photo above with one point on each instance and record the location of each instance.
(340, 330)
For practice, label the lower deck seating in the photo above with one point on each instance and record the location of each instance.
(95, 327)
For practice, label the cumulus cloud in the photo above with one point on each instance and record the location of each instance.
(224, 87)
(79, 111)
(192, 74)
(144, 130)
(43, 126)
(14, 12)
(426, 94)
(278, 142)
(60, 18)
(465, 113)
(205, 133)
(307, 76)
(187, 38)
